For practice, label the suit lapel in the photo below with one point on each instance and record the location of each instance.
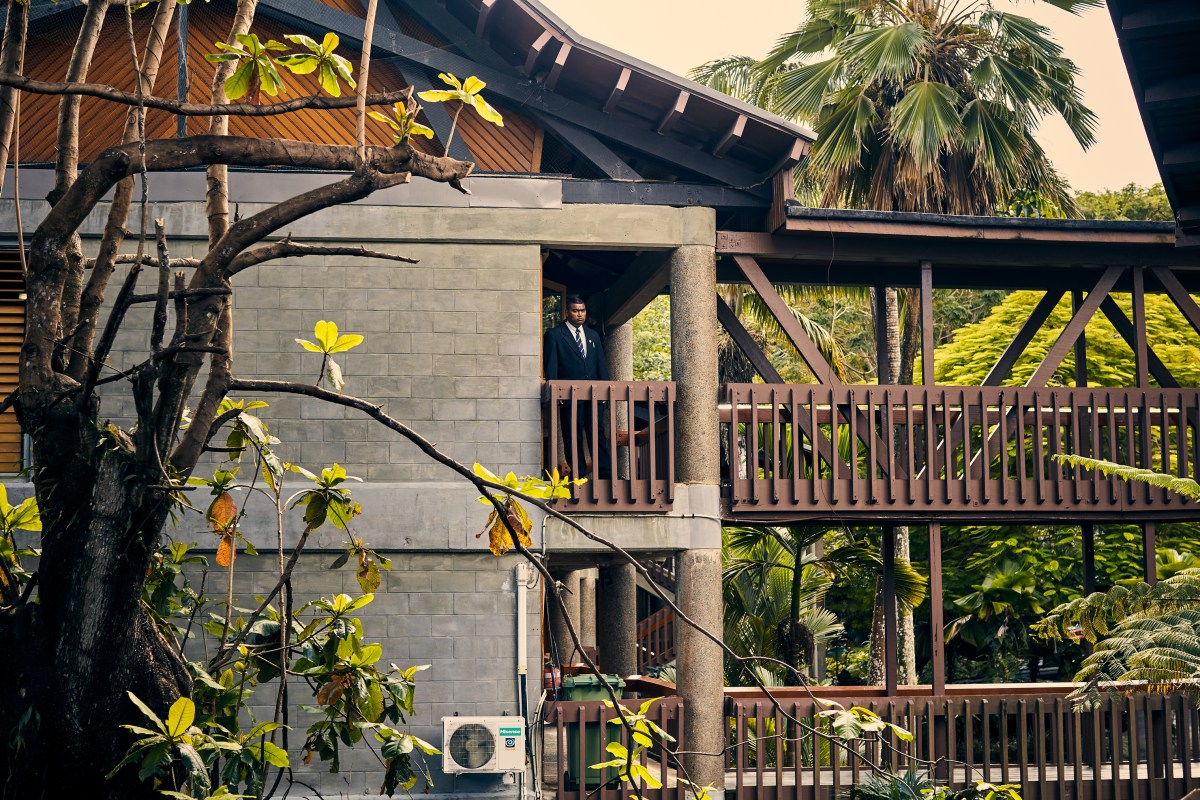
(570, 341)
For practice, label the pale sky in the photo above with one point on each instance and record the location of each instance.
(679, 34)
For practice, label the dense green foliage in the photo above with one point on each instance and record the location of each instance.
(1132, 202)
(652, 341)
(976, 347)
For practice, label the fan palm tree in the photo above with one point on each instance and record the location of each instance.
(774, 583)
(918, 105)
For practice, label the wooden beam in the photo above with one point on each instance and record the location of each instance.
(1066, 339)
(1156, 19)
(745, 342)
(671, 117)
(791, 158)
(1081, 370)
(1149, 552)
(485, 16)
(1181, 155)
(787, 321)
(642, 281)
(535, 52)
(1139, 327)
(730, 137)
(1171, 92)
(590, 149)
(618, 90)
(1183, 301)
(560, 61)
(1128, 331)
(1037, 318)
(927, 343)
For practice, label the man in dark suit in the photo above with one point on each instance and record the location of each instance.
(573, 352)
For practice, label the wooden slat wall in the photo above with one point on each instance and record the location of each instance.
(508, 149)
(12, 332)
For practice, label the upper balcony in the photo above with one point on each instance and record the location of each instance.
(927, 452)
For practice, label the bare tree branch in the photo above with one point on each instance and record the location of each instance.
(289, 248)
(12, 60)
(316, 102)
(216, 198)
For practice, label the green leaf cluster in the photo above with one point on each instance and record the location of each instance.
(257, 70)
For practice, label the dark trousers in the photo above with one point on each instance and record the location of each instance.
(575, 447)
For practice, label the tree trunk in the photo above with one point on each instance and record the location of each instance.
(12, 61)
(87, 642)
(897, 367)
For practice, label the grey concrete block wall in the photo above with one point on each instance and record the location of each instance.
(456, 613)
(453, 349)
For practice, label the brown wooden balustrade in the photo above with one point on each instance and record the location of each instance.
(634, 422)
(1133, 746)
(656, 639)
(913, 452)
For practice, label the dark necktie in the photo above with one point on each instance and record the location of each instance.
(579, 343)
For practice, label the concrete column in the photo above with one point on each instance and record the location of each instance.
(616, 619)
(694, 329)
(564, 647)
(618, 347)
(587, 606)
(700, 665)
(700, 661)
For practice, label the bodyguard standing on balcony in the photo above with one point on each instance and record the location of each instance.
(572, 352)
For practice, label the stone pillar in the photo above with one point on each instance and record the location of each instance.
(616, 619)
(618, 347)
(564, 647)
(700, 661)
(587, 606)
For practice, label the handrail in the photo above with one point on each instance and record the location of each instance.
(620, 435)
(907, 451)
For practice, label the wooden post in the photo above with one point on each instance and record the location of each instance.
(1149, 553)
(1139, 327)
(936, 623)
(1081, 371)
(927, 341)
(1089, 558)
(890, 650)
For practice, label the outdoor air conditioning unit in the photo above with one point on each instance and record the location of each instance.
(483, 744)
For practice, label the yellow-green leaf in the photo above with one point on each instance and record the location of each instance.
(326, 333)
(437, 96)
(486, 111)
(473, 85)
(180, 717)
(346, 342)
(330, 42)
(309, 346)
(418, 129)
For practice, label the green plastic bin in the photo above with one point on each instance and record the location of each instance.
(589, 687)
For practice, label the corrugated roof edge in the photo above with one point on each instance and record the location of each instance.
(797, 211)
(567, 32)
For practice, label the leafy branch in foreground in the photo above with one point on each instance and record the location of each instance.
(1185, 487)
(1142, 632)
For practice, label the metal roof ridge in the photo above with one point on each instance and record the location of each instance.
(796, 210)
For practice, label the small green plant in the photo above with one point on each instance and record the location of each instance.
(403, 121)
(466, 93)
(257, 72)
(329, 342)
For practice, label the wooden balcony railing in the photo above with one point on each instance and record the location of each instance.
(909, 451)
(656, 640)
(625, 442)
(1133, 746)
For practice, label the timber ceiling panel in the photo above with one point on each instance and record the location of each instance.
(1158, 42)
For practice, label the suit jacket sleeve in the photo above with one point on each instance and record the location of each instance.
(550, 355)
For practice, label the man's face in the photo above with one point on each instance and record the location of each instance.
(577, 314)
